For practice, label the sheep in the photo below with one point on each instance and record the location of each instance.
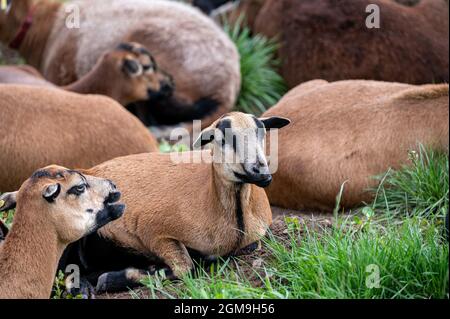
(55, 206)
(46, 125)
(348, 132)
(329, 39)
(211, 207)
(186, 43)
(132, 74)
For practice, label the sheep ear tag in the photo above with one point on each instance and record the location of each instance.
(2, 203)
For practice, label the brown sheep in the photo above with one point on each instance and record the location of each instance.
(47, 125)
(351, 131)
(187, 44)
(55, 207)
(132, 74)
(329, 39)
(214, 208)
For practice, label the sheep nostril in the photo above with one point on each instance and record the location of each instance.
(166, 87)
(255, 169)
(112, 197)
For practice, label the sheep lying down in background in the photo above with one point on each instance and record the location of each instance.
(348, 132)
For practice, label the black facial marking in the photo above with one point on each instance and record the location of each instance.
(46, 174)
(90, 211)
(77, 190)
(229, 138)
(40, 174)
(259, 123)
(125, 47)
(223, 125)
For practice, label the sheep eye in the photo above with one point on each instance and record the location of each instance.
(77, 190)
(148, 68)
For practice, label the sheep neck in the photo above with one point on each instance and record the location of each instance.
(92, 83)
(33, 46)
(232, 197)
(29, 258)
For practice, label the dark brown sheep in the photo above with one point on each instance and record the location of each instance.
(329, 39)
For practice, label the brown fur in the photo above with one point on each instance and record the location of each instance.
(45, 125)
(122, 86)
(328, 39)
(350, 131)
(42, 230)
(204, 64)
(171, 207)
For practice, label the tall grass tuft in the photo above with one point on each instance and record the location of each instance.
(262, 87)
(420, 188)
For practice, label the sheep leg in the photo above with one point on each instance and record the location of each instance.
(172, 252)
(175, 255)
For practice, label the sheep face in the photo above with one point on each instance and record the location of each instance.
(74, 204)
(238, 145)
(138, 76)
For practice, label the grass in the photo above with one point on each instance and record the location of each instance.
(7, 217)
(368, 254)
(411, 259)
(419, 188)
(262, 87)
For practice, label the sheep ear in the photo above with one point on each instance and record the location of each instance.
(206, 137)
(275, 122)
(8, 201)
(51, 192)
(131, 67)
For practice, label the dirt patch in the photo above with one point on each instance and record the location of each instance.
(250, 263)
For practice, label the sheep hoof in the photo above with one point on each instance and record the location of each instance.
(85, 291)
(118, 281)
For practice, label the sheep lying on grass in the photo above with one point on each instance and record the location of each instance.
(55, 207)
(214, 207)
(348, 132)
